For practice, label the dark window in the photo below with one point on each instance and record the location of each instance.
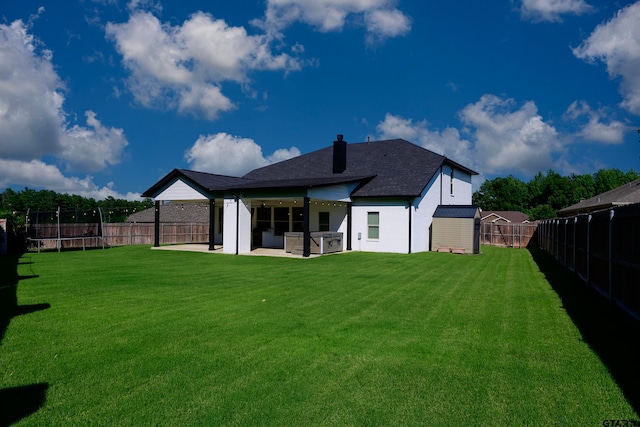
(281, 221)
(323, 221)
(297, 222)
(451, 189)
(263, 221)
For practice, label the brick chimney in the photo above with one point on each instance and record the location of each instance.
(339, 155)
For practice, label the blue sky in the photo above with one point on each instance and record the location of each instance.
(104, 97)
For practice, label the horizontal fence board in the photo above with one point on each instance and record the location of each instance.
(512, 235)
(115, 234)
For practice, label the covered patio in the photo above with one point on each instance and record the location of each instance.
(203, 247)
(248, 215)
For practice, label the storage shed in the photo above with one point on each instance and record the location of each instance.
(456, 228)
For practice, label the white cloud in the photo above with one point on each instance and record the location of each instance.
(503, 138)
(595, 125)
(507, 138)
(151, 5)
(31, 96)
(448, 142)
(382, 24)
(552, 10)
(93, 147)
(183, 66)
(38, 174)
(33, 123)
(225, 154)
(616, 44)
(380, 17)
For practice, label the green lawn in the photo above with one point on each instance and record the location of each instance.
(131, 336)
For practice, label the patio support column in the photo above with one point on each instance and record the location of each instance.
(410, 219)
(156, 236)
(349, 225)
(212, 223)
(306, 235)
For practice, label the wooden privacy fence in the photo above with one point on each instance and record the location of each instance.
(93, 235)
(118, 234)
(602, 249)
(512, 235)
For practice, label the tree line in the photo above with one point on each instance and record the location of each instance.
(43, 205)
(545, 194)
(540, 198)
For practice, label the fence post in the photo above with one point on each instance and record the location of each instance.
(491, 234)
(566, 241)
(575, 270)
(611, 214)
(589, 251)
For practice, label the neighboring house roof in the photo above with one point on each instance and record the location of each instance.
(504, 216)
(391, 168)
(395, 167)
(624, 195)
(174, 212)
(456, 211)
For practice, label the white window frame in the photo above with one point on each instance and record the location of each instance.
(373, 226)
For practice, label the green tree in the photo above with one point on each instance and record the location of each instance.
(608, 179)
(502, 194)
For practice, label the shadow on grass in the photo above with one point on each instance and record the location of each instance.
(9, 279)
(610, 332)
(17, 403)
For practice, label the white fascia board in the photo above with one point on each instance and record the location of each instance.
(338, 193)
(180, 190)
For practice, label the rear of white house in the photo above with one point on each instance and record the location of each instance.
(377, 196)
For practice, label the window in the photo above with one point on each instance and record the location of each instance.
(297, 221)
(451, 187)
(281, 221)
(323, 221)
(373, 225)
(263, 221)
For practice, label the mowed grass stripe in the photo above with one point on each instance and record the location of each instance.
(136, 336)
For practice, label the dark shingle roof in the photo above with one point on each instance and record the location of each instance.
(391, 168)
(624, 195)
(507, 216)
(207, 182)
(396, 167)
(455, 211)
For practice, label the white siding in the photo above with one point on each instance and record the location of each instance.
(462, 191)
(423, 215)
(337, 216)
(179, 190)
(394, 215)
(234, 223)
(394, 226)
